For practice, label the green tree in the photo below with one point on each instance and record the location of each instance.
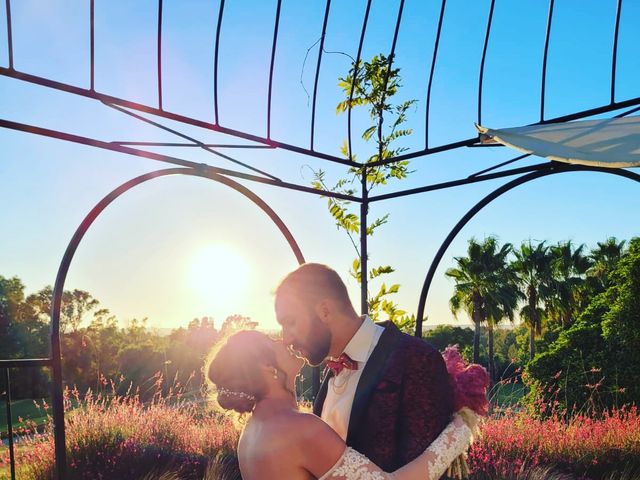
(605, 256)
(484, 289)
(594, 363)
(11, 306)
(444, 335)
(371, 85)
(533, 267)
(76, 305)
(569, 266)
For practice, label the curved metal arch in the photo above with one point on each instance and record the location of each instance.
(57, 395)
(552, 169)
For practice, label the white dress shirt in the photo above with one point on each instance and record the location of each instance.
(341, 390)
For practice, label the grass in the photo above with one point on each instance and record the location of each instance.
(170, 438)
(111, 436)
(586, 446)
(506, 394)
(24, 409)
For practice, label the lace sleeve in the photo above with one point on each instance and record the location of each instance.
(352, 465)
(430, 465)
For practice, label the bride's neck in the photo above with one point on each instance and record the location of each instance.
(280, 399)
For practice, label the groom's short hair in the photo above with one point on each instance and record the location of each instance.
(313, 282)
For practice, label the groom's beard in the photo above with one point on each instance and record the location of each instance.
(317, 343)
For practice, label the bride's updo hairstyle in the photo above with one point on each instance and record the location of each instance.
(234, 369)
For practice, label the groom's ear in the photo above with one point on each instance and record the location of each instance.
(323, 310)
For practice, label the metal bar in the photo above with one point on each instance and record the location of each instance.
(457, 183)
(552, 168)
(508, 162)
(315, 82)
(274, 143)
(12, 459)
(9, 34)
(159, 52)
(24, 363)
(195, 141)
(165, 158)
(628, 112)
(474, 141)
(386, 78)
(271, 67)
(92, 43)
(427, 151)
(193, 145)
(356, 66)
(544, 60)
(171, 116)
(57, 398)
(595, 111)
(364, 253)
(484, 56)
(614, 57)
(433, 68)
(215, 63)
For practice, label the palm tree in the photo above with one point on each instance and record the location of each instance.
(533, 268)
(499, 305)
(485, 289)
(569, 267)
(605, 257)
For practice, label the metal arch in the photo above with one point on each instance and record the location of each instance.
(552, 169)
(57, 395)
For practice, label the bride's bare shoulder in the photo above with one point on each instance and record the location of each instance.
(309, 426)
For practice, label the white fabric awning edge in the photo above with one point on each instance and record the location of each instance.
(522, 139)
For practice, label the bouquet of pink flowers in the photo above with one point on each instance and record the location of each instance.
(469, 383)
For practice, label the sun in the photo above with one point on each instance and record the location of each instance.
(219, 275)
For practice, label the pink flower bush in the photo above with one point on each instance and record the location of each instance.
(586, 446)
(121, 437)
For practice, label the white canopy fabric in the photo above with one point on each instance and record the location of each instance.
(612, 143)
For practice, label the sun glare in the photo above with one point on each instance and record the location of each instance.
(219, 275)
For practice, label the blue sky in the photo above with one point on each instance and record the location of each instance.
(139, 257)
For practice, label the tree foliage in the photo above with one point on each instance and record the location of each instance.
(97, 348)
(372, 85)
(485, 288)
(594, 363)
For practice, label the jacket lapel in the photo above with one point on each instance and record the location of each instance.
(373, 370)
(322, 393)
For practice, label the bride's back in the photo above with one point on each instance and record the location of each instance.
(269, 448)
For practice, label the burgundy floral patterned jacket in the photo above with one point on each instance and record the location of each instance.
(402, 403)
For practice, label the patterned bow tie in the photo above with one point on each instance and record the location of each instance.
(342, 362)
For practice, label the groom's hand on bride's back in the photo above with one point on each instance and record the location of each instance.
(411, 404)
(427, 400)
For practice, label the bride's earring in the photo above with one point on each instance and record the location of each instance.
(275, 373)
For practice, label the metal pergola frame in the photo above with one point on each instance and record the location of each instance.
(181, 166)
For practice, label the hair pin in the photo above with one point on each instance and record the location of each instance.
(236, 393)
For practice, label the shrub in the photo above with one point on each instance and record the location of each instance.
(111, 437)
(514, 443)
(594, 364)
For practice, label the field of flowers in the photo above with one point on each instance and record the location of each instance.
(110, 436)
(168, 437)
(584, 446)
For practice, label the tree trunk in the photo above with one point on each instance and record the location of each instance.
(492, 366)
(476, 335)
(532, 340)
(533, 307)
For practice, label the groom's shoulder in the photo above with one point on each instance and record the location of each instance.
(405, 343)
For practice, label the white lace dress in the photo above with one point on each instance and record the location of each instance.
(430, 465)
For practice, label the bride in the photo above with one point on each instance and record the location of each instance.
(256, 374)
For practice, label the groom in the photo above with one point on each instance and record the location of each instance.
(387, 394)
